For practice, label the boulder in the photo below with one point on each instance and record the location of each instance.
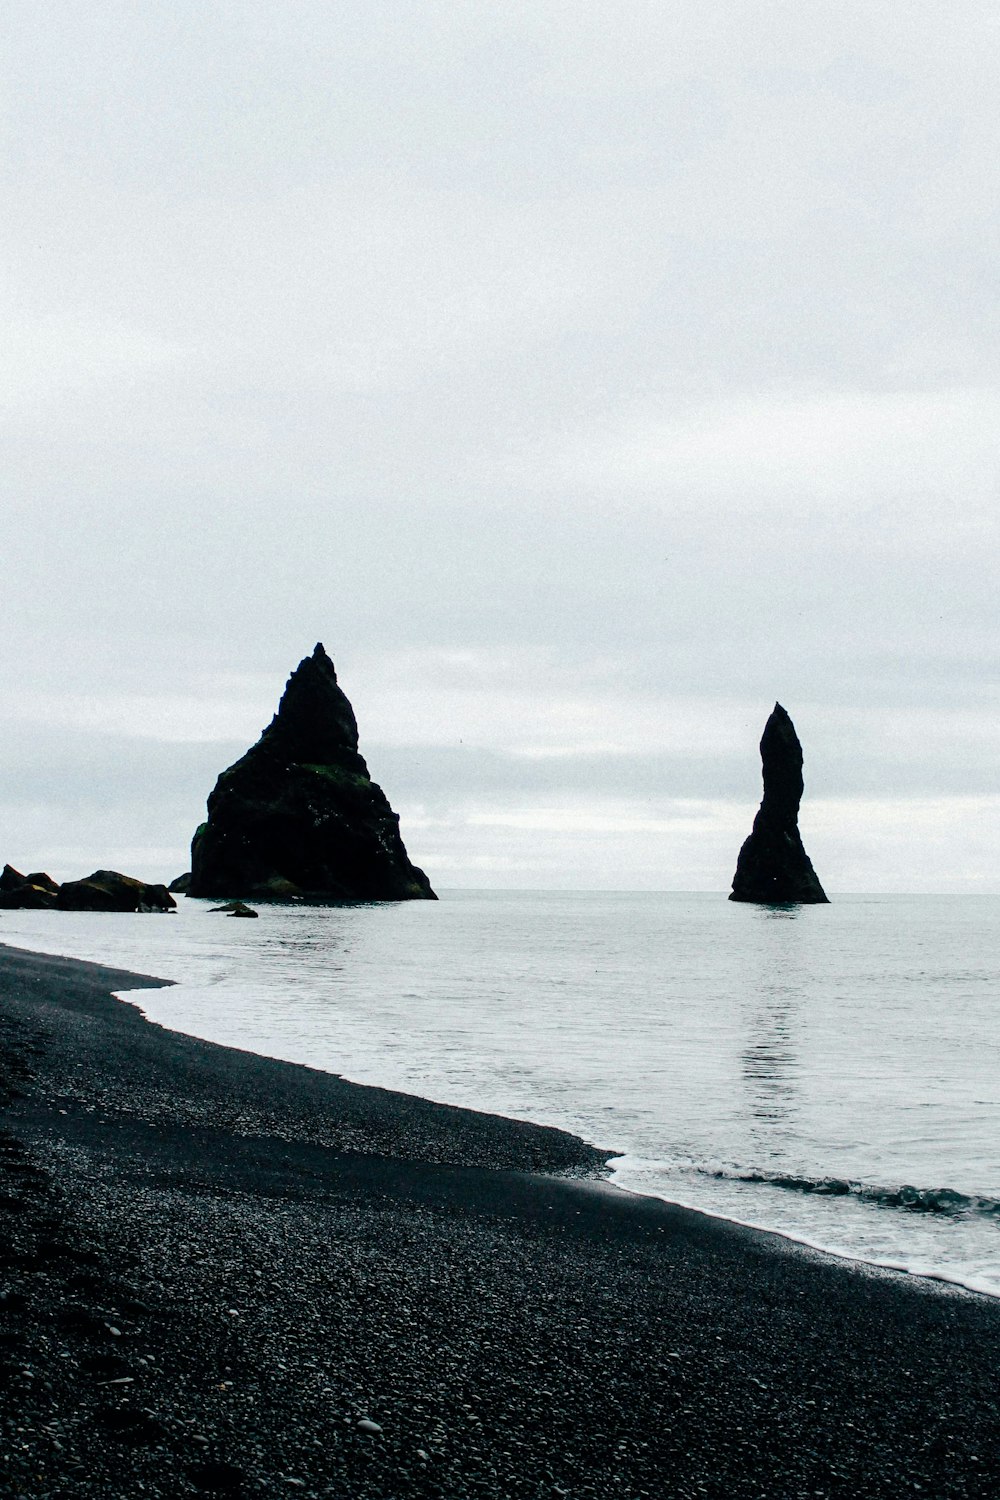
(107, 890)
(298, 816)
(28, 897)
(179, 885)
(10, 878)
(773, 868)
(39, 877)
(236, 909)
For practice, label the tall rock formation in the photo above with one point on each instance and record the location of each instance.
(773, 868)
(299, 814)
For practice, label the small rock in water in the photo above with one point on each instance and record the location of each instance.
(367, 1425)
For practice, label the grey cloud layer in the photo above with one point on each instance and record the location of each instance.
(643, 345)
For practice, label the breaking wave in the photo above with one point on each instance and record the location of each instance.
(942, 1200)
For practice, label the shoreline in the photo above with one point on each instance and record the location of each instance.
(954, 1249)
(920, 1246)
(941, 1279)
(271, 1255)
(607, 1176)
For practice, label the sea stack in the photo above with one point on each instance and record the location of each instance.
(298, 816)
(773, 868)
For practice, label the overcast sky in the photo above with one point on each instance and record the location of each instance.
(585, 375)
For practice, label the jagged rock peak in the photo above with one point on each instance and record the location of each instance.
(781, 766)
(298, 816)
(773, 868)
(315, 721)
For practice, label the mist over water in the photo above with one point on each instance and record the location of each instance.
(829, 1072)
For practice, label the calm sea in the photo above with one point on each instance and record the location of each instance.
(829, 1072)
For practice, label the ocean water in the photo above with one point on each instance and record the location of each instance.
(832, 1073)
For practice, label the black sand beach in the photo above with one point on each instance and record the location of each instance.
(216, 1268)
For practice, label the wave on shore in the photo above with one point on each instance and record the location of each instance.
(940, 1200)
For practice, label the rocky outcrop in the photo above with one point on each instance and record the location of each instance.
(32, 892)
(773, 868)
(35, 893)
(298, 815)
(107, 890)
(178, 886)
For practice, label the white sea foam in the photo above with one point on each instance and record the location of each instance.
(740, 1057)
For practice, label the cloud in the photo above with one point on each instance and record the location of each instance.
(148, 716)
(783, 453)
(585, 377)
(50, 357)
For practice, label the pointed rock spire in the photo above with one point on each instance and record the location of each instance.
(315, 721)
(298, 815)
(773, 868)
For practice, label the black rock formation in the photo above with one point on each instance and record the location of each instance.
(107, 890)
(298, 815)
(35, 893)
(773, 868)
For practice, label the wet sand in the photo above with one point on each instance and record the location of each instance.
(221, 1274)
